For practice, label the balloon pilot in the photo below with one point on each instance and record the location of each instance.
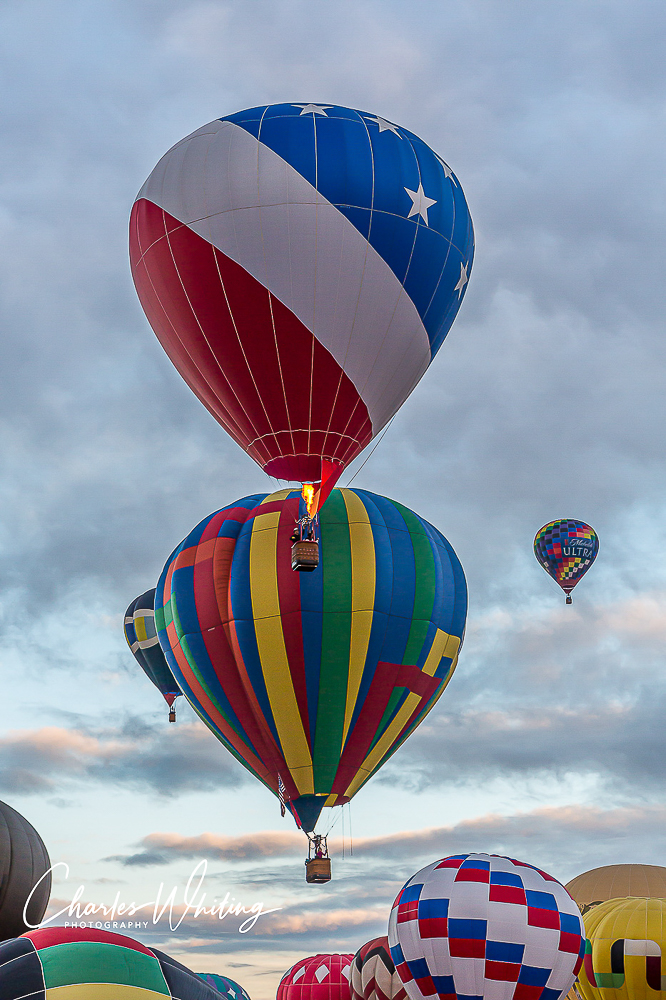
(318, 862)
(305, 544)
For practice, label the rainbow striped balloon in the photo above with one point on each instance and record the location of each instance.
(312, 680)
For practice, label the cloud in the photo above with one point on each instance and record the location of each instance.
(545, 400)
(138, 755)
(565, 840)
(161, 848)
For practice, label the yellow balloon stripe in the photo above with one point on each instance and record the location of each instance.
(363, 597)
(272, 652)
(140, 627)
(443, 645)
(274, 497)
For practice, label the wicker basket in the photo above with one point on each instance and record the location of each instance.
(305, 556)
(318, 870)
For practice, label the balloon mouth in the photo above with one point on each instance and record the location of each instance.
(306, 810)
(295, 468)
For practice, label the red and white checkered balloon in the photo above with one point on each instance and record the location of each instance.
(318, 977)
(478, 926)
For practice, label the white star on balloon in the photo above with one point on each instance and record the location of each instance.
(384, 126)
(420, 203)
(462, 281)
(447, 169)
(316, 109)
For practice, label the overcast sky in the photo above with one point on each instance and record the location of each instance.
(546, 401)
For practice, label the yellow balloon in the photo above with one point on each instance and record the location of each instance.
(625, 940)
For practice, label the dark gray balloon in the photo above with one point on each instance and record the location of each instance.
(23, 861)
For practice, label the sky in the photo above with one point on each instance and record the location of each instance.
(545, 401)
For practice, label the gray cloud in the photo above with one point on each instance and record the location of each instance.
(134, 755)
(546, 399)
(340, 916)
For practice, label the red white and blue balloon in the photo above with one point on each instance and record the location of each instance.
(301, 265)
(480, 925)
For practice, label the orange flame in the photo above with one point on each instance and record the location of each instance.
(308, 494)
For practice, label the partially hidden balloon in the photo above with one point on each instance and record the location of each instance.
(25, 873)
(312, 680)
(623, 954)
(75, 963)
(229, 988)
(301, 265)
(479, 925)
(318, 977)
(143, 642)
(566, 549)
(373, 974)
(616, 882)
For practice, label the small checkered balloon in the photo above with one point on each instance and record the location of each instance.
(318, 977)
(566, 549)
(478, 926)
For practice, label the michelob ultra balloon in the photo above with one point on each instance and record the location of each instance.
(301, 265)
(312, 680)
(623, 953)
(566, 550)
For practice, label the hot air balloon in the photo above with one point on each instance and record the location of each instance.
(229, 988)
(319, 977)
(301, 265)
(75, 963)
(312, 680)
(623, 954)
(479, 925)
(616, 882)
(566, 550)
(25, 872)
(142, 640)
(373, 974)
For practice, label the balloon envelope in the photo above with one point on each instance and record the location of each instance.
(623, 954)
(142, 640)
(62, 961)
(479, 925)
(312, 679)
(566, 550)
(229, 988)
(373, 974)
(617, 881)
(24, 861)
(301, 265)
(318, 977)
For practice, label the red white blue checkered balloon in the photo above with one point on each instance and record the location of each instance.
(480, 925)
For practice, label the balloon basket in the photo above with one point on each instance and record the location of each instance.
(318, 870)
(305, 556)
(569, 599)
(172, 715)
